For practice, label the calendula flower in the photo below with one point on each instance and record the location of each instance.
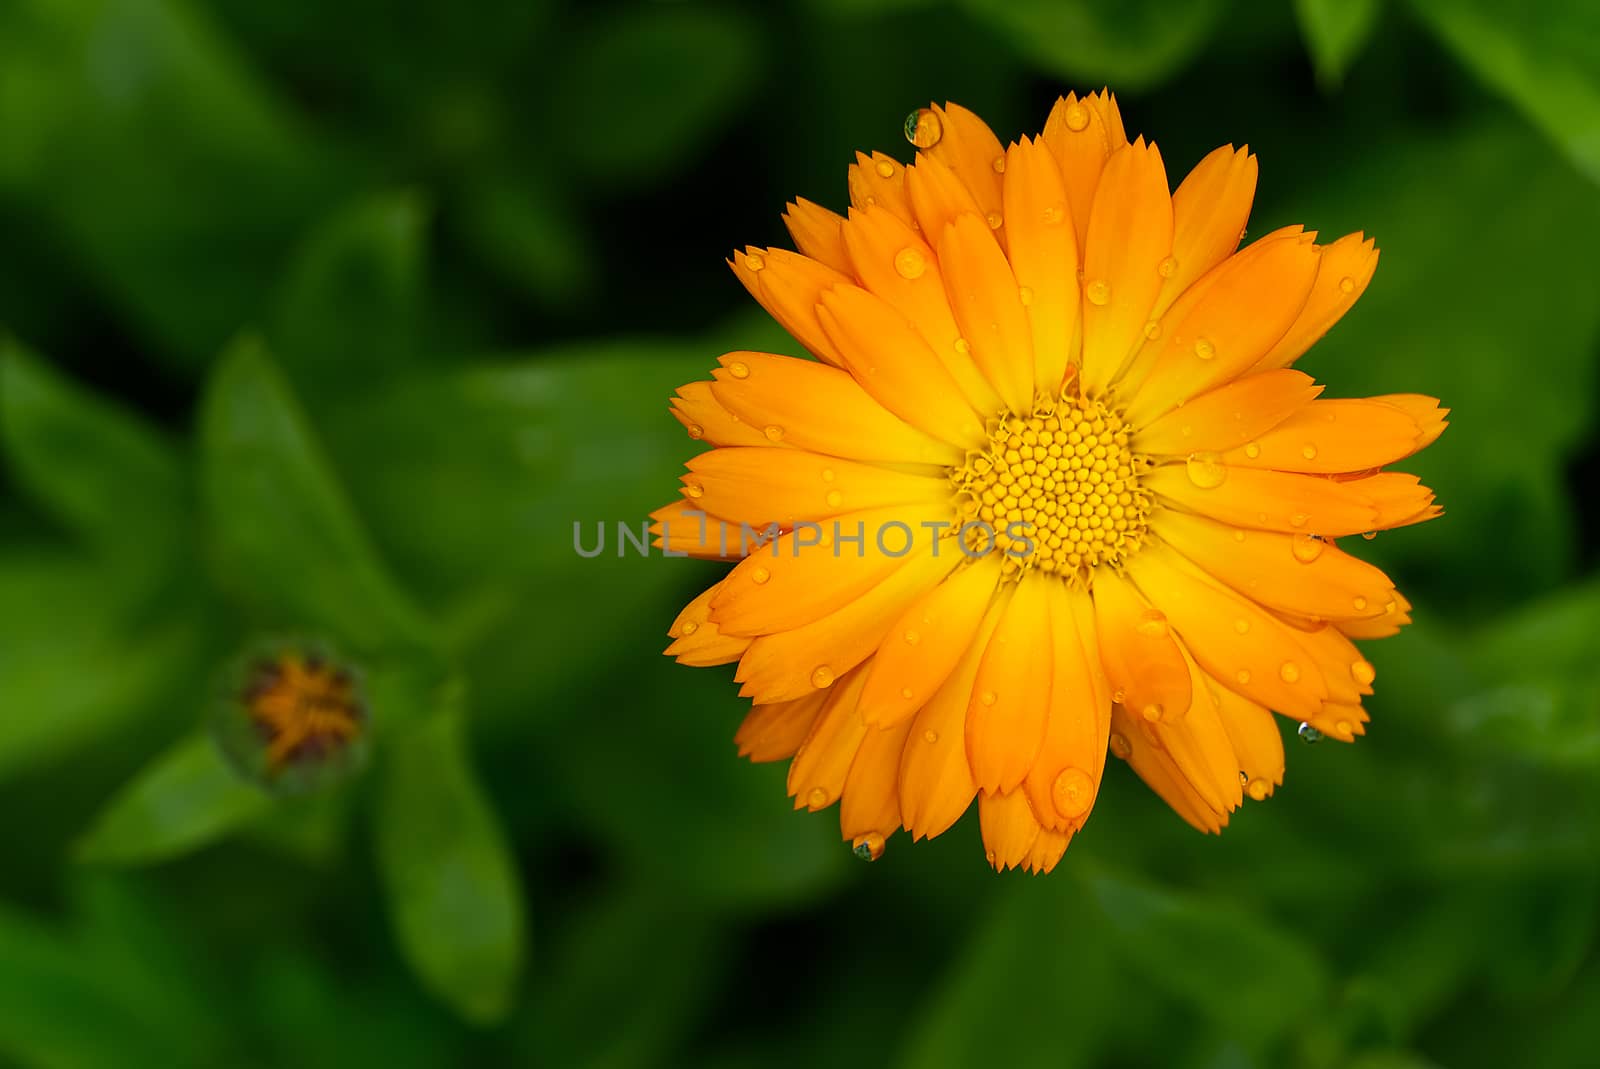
(1049, 489)
(292, 717)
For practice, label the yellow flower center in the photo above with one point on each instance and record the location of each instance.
(303, 707)
(1057, 490)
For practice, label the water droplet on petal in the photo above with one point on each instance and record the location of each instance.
(755, 261)
(690, 627)
(1243, 676)
(1369, 535)
(923, 128)
(1167, 267)
(1347, 284)
(1152, 624)
(994, 220)
(1289, 672)
(1206, 470)
(827, 475)
(1363, 673)
(1359, 602)
(739, 369)
(1306, 548)
(1252, 450)
(1343, 727)
(773, 432)
(1073, 792)
(999, 164)
(1258, 789)
(930, 736)
(817, 798)
(1025, 295)
(760, 575)
(1241, 626)
(1099, 292)
(906, 693)
(869, 847)
(1309, 451)
(988, 697)
(822, 677)
(694, 489)
(910, 263)
(1077, 117)
(1153, 712)
(1308, 733)
(1204, 349)
(912, 638)
(696, 431)
(835, 499)
(1152, 330)
(1054, 214)
(963, 347)
(885, 169)
(1299, 519)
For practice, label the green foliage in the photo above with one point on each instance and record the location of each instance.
(326, 323)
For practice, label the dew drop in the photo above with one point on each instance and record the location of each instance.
(822, 677)
(1252, 450)
(1073, 793)
(1299, 519)
(885, 169)
(1241, 626)
(923, 128)
(817, 798)
(910, 263)
(1153, 712)
(827, 475)
(1306, 548)
(906, 693)
(1077, 117)
(988, 697)
(1152, 329)
(773, 432)
(964, 347)
(1054, 214)
(1289, 672)
(1347, 284)
(696, 431)
(1206, 470)
(1099, 292)
(1309, 734)
(869, 847)
(1167, 267)
(755, 261)
(835, 499)
(1244, 777)
(999, 164)
(912, 638)
(1238, 535)
(1359, 602)
(1152, 624)
(690, 627)
(930, 736)
(1343, 727)
(1204, 349)
(1025, 295)
(739, 369)
(760, 575)
(1243, 676)
(994, 220)
(1309, 451)
(1120, 747)
(1258, 789)
(694, 489)
(1363, 673)
(1369, 535)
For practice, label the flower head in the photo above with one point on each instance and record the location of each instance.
(1050, 489)
(292, 717)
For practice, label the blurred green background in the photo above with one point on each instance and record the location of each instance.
(328, 320)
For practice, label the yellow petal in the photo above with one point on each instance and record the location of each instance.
(787, 486)
(683, 529)
(1228, 416)
(969, 148)
(1156, 767)
(984, 295)
(817, 773)
(1209, 211)
(1342, 275)
(879, 181)
(937, 196)
(1046, 851)
(1066, 774)
(775, 732)
(871, 803)
(1255, 738)
(788, 286)
(1043, 249)
(1082, 135)
(1334, 436)
(704, 417)
(1011, 694)
(1130, 233)
(1198, 744)
(697, 640)
(1268, 500)
(815, 230)
(1143, 664)
(1009, 828)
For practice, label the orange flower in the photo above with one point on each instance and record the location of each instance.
(1050, 488)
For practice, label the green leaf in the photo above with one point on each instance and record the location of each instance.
(183, 800)
(283, 534)
(620, 126)
(1335, 32)
(454, 894)
(1133, 45)
(349, 312)
(1252, 979)
(1543, 55)
(113, 481)
(529, 229)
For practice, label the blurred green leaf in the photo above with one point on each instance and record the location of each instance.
(1335, 32)
(349, 311)
(113, 481)
(454, 894)
(1129, 46)
(1254, 980)
(185, 799)
(284, 536)
(529, 230)
(620, 126)
(1543, 55)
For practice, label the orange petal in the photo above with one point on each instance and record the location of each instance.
(1082, 135)
(1245, 647)
(1011, 695)
(1396, 614)
(1156, 767)
(1066, 774)
(1255, 738)
(788, 286)
(1297, 574)
(1334, 436)
(1046, 851)
(1400, 499)
(879, 181)
(819, 408)
(937, 196)
(1228, 416)
(1009, 828)
(787, 486)
(1245, 308)
(703, 416)
(1348, 674)
(935, 779)
(1269, 500)
(794, 581)
(775, 732)
(1043, 250)
(1209, 211)
(969, 148)
(926, 644)
(1343, 723)
(1143, 664)
(817, 773)
(894, 365)
(1425, 412)
(815, 230)
(697, 640)
(791, 664)
(983, 293)
(1130, 233)
(1198, 744)
(682, 529)
(871, 802)
(1342, 276)
(895, 264)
